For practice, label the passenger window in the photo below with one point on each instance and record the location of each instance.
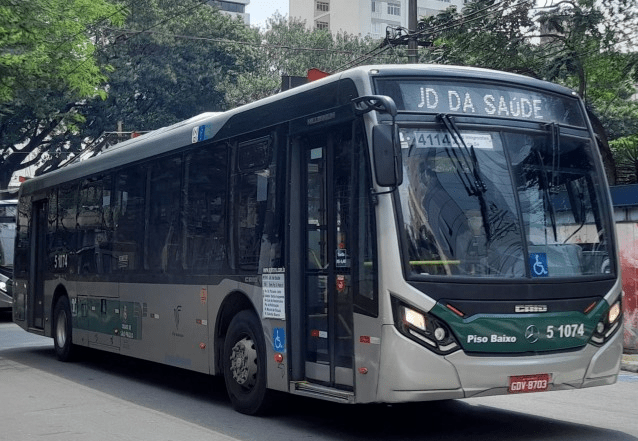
(257, 235)
(206, 176)
(163, 247)
(128, 212)
(65, 238)
(93, 231)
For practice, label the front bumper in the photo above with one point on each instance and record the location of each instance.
(410, 372)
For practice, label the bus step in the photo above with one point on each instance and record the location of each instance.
(322, 392)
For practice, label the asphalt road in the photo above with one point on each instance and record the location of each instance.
(108, 397)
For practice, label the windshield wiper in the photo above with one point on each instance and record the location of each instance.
(468, 155)
(466, 158)
(546, 193)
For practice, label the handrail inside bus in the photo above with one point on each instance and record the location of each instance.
(435, 262)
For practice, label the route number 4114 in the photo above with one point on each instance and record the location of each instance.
(566, 331)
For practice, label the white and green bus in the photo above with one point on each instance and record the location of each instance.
(386, 234)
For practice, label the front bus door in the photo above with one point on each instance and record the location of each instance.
(328, 179)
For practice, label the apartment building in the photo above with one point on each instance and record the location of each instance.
(236, 8)
(364, 17)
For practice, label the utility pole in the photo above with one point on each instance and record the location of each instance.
(413, 51)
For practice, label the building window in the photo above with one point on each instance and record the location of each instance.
(375, 30)
(394, 8)
(323, 6)
(322, 25)
(228, 6)
(374, 6)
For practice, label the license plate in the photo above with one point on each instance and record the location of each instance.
(529, 383)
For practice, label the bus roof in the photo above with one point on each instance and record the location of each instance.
(206, 126)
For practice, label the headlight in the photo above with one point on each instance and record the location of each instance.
(423, 328)
(3, 286)
(614, 312)
(414, 318)
(608, 324)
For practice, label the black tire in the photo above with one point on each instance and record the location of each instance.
(244, 361)
(62, 330)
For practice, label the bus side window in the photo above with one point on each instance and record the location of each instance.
(163, 249)
(250, 218)
(255, 176)
(94, 234)
(129, 202)
(66, 236)
(205, 241)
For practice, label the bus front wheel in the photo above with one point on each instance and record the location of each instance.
(62, 328)
(244, 362)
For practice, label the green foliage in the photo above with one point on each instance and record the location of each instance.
(181, 64)
(170, 60)
(625, 151)
(50, 44)
(48, 68)
(289, 48)
(293, 49)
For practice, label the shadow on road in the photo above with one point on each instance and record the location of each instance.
(202, 400)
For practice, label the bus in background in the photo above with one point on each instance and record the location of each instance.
(8, 209)
(386, 234)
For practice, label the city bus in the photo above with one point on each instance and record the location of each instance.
(390, 233)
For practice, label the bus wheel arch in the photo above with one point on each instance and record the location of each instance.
(233, 304)
(62, 326)
(242, 355)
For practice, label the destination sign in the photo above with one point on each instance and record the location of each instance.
(482, 100)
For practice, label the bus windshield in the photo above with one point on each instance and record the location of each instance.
(501, 204)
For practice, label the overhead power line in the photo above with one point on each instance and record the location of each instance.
(227, 41)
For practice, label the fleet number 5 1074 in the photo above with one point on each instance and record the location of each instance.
(566, 331)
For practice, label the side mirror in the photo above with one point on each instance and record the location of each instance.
(386, 149)
(386, 146)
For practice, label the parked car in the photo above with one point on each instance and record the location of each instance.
(6, 285)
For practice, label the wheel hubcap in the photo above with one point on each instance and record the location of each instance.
(60, 329)
(243, 363)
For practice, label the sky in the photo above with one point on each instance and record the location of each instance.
(260, 10)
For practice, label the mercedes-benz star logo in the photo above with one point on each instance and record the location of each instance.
(531, 334)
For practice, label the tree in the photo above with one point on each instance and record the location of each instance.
(626, 153)
(577, 43)
(47, 67)
(288, 47)
(173, 60)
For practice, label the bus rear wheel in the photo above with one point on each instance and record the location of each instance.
(244, 361)
(62, 329)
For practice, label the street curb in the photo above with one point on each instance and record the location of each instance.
(629, 363)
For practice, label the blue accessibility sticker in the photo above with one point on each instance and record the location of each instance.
(538, 265)
(279, 339)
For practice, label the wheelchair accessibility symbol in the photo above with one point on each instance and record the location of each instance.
(279, 339)
(538, 265)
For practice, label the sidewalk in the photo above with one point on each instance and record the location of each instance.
(37, 405)
(629, 362)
